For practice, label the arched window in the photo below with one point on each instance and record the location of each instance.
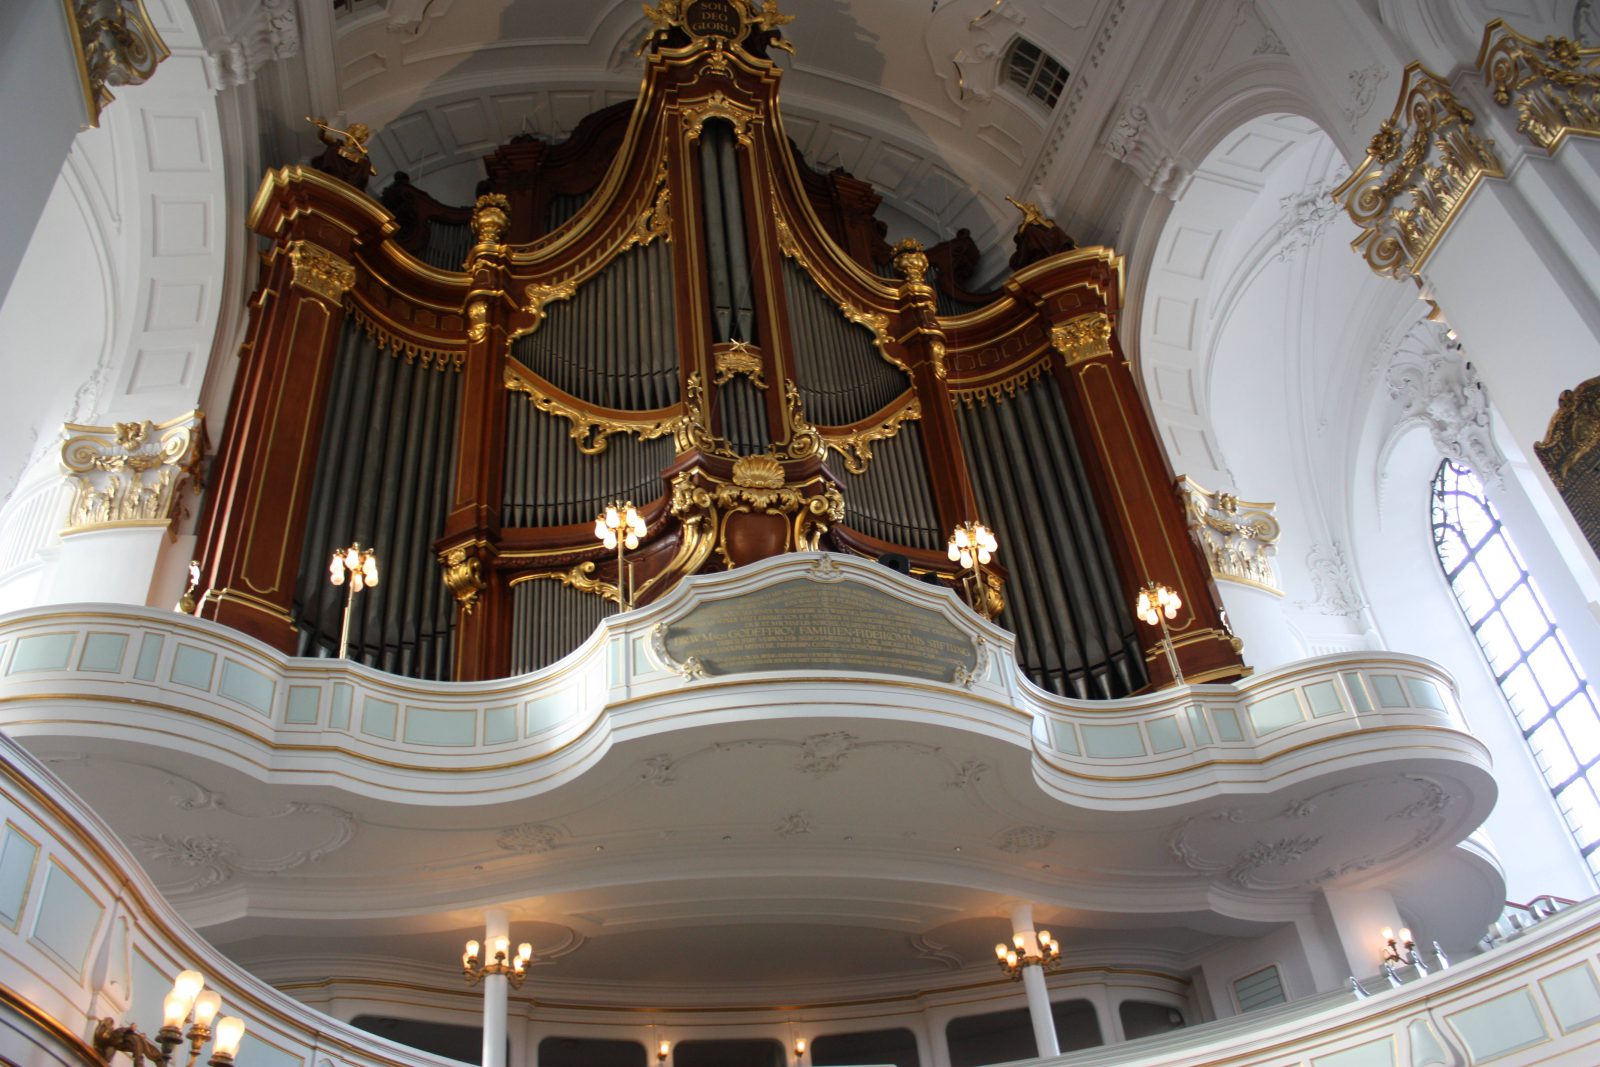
(1034, 72)
(1551, 699)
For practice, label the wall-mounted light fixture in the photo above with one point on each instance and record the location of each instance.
(972, 545)
(189, 1002)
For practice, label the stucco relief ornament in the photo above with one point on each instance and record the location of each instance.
(1441, 391)
(1025, 839)
(529, 838)
(822, 754)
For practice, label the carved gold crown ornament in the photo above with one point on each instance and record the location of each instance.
(190, 1003)
(1239, 537)
(1420, 167)
(1554, 84)
(115, 45)
(131, 473)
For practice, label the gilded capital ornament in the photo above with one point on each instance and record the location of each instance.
(130, 473)
(1083, 338)
(1553, 84)
(1421, 165)
(1239, 537)
(115, 45)
(319, 271)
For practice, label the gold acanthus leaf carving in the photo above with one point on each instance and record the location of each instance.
(1573, 434)
(1083, 338)
(319, 271)
(739, 358)
(805, 440)
(581, 578)
(591, 430)
(130, 473)
(1239, 537)
(856, 447)
(115, 44)
(536, 296)
(719, 106)
(656, 220)
(690, 429)
(878, 323)
(787, 244)
(1432, 165)
(463, 576)
(1554, 83)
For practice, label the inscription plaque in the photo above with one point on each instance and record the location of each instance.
(800, 624)
(713, 18)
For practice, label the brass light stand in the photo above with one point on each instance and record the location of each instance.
(358, 566)
(620, 526)
(1155, 605)
(973, 544)
(515, 968)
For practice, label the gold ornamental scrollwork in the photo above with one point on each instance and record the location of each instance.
(131, 473)
(463, 576)
(656, 220)
(719, 106)
(1239, 537)
(690, 430)
(536, 296)
(1554, 84)
(591, 430)
(1573, 434)
(319, 271)
(580, 578)
(856, 447)
(1421, 165)
(1083, 338)
(115, 44)
(739, 358)
(805, 440)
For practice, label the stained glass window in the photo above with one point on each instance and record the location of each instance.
(1552, 701)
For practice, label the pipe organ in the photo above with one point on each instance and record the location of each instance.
(672, 308)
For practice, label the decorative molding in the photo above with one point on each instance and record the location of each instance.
(1573, 434)
(581, 578)
(270, 30)
(688, 670)
(795, 824)
(1239, 537)
(1424, 154)
(856, 446)
(115, 44)
(1007, 385)
(1139, 142)
(529, 838)
(591, 430)
(130, 473)
(319, 271)
(1019, 839)
(1333, 583)
(656, 220)
(719, 106)
(1303, 218)
(1083, 338)
(1440, 390)
(538, 295)
(1554, 84)
(1364, 84)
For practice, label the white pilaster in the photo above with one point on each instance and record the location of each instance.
(1044, 1027)
(496, 925)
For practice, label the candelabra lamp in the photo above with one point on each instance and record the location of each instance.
(1013, 957)
(189, 1002)
(515, 968)
(1155, 605)
(357, 568)
(1401, 949)
(972, 545)
(620, 526)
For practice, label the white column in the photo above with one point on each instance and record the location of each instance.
(496, 925)
(1044, 1026)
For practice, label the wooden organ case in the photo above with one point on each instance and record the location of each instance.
(671, 308)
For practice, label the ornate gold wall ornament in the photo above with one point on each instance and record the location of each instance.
(758, 472)
(1573, 434)
(463, 576)
(437, 358)
(1239, 537)
(805, 440)
(580, 578)
(716, 23)
(739, 358)
(1434, 163)
(689, 430)
(478, 319)
(787, 243)
(856, 447)
(591, 429)
(878, 323)
(319, 271)
(538, 295)
(911, 261)
(491, 217)
(1083, 338)
(1006, 386)
(115, 44)
(941, 370)
(719, 106)
(130, 473)
(1554, 83)
(656, 220)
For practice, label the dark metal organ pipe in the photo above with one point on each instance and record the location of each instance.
(382, 479)
(842, 377)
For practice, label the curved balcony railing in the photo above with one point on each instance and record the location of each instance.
(134, 673)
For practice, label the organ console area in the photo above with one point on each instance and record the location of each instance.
(671, 308)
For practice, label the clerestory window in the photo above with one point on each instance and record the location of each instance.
(1033, 72)
(1554, 704)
